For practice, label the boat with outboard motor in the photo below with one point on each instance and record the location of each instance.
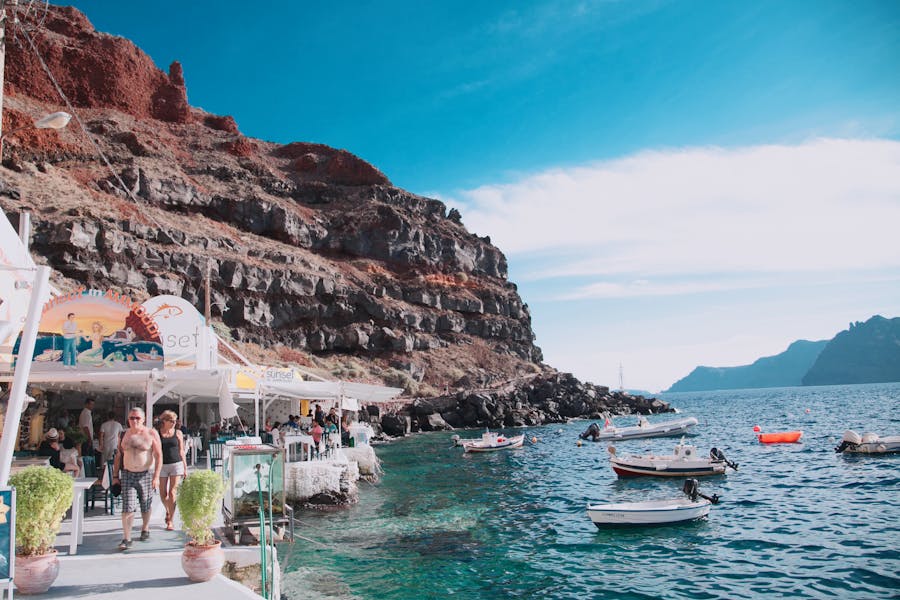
(868, 443)
(684, 462)
(489, 442)
(654, 512)
(644, 429)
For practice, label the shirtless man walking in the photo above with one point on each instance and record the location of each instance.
(140, 451)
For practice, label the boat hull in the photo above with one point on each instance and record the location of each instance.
(647, 513)
(783, 437)
(479, 446)
(665, 429)
(624, 469)
(888, 445)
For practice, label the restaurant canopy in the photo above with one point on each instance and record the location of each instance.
(190, 385)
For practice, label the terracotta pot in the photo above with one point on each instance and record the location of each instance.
(202, 563)
(35, 574)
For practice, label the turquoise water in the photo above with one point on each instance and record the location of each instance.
(795, 521)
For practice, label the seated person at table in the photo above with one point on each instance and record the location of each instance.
(50, 447)
(69, 459)
(316, 433)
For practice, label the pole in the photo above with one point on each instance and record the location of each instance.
(2, 63)
(207, 311)
(256, 408)
(23, 369)
(262, 532)
(25, 228)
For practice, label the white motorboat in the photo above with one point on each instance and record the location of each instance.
(868, 443)
(490, 441)
(654, 512)
(644, 429)
(684, 462)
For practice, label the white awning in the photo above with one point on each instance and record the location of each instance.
(352, 393)
(200, 385)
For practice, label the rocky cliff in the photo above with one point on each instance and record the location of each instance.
(866, 352)
(782, 370)
(315, 258)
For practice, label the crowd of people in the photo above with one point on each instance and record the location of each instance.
(145, 460)
(321, 426)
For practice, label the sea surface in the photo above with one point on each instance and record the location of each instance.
(794, 521)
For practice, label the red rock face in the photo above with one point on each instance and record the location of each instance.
(326, 163)
(240, 147)
(94, 70)
(40, 142)
(218, 123)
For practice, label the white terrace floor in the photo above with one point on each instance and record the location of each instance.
(150, 569)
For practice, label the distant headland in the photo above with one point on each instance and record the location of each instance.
(866, 352)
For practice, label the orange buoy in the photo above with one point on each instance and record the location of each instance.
(783, 437)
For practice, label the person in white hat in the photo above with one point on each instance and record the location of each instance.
(51, 447)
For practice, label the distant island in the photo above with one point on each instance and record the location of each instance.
(866, 352)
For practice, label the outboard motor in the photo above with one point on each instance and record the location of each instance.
(851, 438)
(718, 455)
(593, 432)
(691, 489)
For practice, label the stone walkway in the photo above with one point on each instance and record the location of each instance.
(150, 569)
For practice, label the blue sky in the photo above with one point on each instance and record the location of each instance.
(674, 183)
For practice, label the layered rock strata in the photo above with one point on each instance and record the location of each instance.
(314, 257)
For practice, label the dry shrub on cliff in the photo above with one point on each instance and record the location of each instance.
(395, 378)
(222, 330)
(290, 355)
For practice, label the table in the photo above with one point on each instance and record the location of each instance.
(80, 484)
(290, 444)
(20, 463)
(195, 445)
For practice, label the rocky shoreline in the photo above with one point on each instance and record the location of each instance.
(539, 400)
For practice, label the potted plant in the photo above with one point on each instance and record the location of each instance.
(43, 494)
(200, 500)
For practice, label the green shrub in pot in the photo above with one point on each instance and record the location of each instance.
(199, 501)
(43, 494)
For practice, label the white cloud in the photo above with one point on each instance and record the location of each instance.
(674, 221)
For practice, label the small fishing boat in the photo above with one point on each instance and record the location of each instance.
(781, 437)
(489, 442)
(684, 462)
(868, 443)
(654, 512)
(644, 429)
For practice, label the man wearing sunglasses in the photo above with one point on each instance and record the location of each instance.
(136, 468)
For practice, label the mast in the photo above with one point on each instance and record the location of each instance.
(621, 378)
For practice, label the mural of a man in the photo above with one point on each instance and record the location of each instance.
(70, 338)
